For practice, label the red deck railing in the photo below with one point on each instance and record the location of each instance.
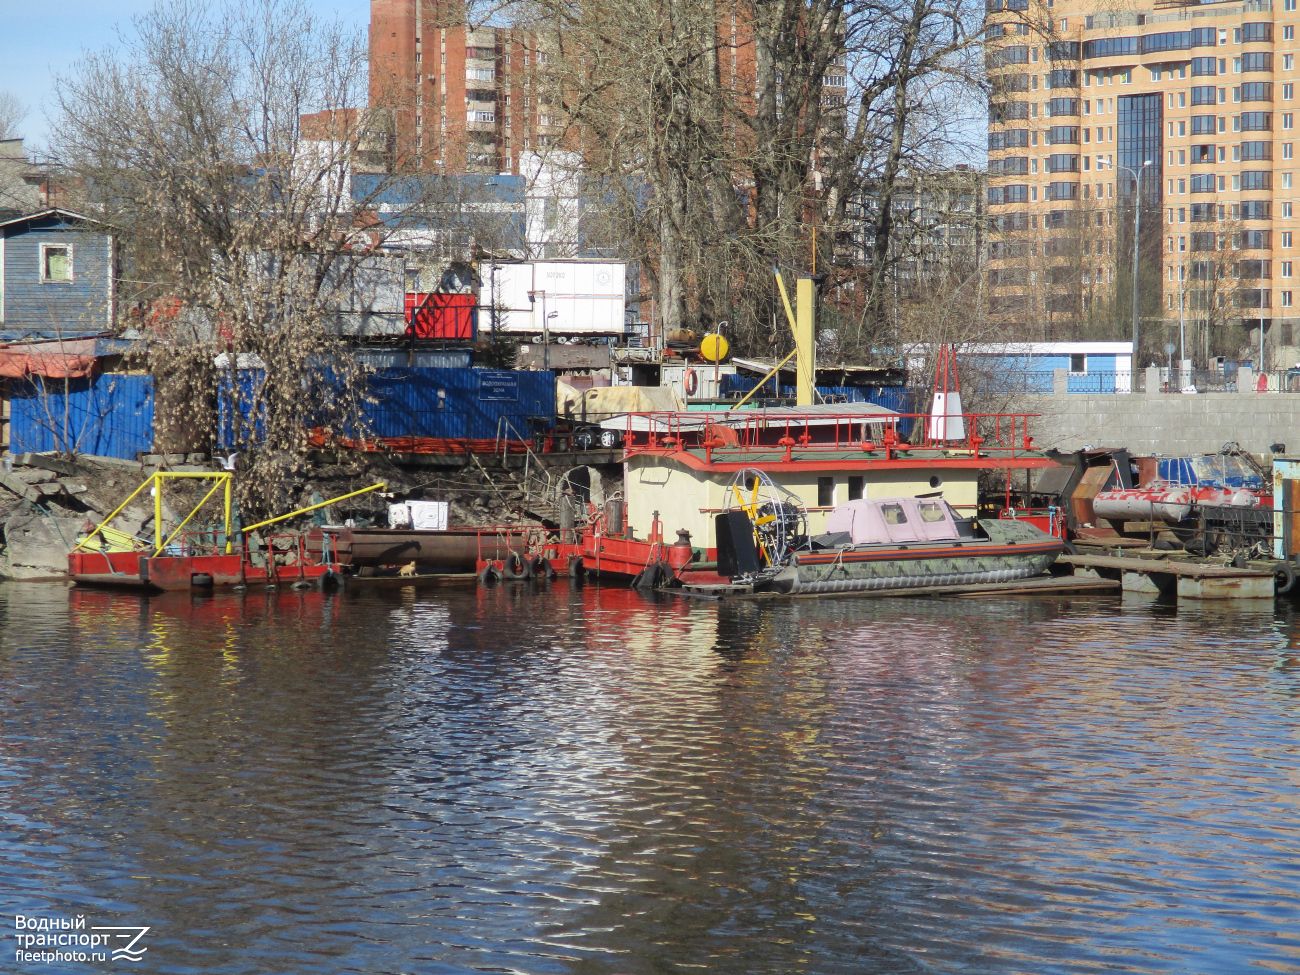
(986, 434)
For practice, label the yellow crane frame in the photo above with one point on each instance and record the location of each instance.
(224, 482)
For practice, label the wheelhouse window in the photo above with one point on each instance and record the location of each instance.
(56, 262)
(931, 511)
(855, 487)
(825, 492)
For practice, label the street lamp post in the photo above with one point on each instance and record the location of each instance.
(546, 335)
(495, 300)
(1137, 236)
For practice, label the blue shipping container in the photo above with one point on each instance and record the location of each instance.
(107, 416)
(461, 404)
(449, 404)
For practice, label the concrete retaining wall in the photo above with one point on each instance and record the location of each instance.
(1175, 424)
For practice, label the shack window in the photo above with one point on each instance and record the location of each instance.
(930, 511)
(855, 487)
(1078, 364)
(825, 492)
(56, 262)
(894, 514)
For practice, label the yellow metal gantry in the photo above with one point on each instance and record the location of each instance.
(224, 481)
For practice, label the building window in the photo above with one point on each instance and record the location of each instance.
(825, 492)
(56, 262)
(1286, 269)
(1286, 210)
(1288, 62)
(1286, 238)
(1078, 364)
(855, 487)
(480, 74)
(1288, 33)
(1288, 92)
(1286, 299)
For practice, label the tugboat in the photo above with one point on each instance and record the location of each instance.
(870, 544)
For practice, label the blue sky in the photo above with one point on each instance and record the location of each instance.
(40, 39)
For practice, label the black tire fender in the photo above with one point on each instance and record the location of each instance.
(541, 568)
(1284, 573)
(516, 567)
(489, 576)
(576, 568)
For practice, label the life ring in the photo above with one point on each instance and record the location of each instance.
(517, 567)
(692, 382)
(1284, 573)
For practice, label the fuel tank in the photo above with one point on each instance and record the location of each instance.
(453, 550)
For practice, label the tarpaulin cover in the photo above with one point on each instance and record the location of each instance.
(17, 363)
(1211, 470)
(603, 402)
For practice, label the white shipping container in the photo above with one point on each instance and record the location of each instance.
(423, 515)
(586, 297)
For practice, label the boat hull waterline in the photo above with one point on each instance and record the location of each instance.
(867, 572)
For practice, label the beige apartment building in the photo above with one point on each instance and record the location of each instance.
(1192, 103)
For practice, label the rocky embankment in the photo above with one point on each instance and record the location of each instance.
(47, 502)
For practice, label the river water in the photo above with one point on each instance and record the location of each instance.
(584, 780)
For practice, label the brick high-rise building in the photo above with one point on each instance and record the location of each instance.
(463, 100)
(1196, 104)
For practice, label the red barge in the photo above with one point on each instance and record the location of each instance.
(107, 557)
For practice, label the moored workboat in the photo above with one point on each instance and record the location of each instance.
(878, 544)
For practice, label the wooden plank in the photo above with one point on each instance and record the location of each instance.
(1090, 485)
(1185, 569)
(1113, 542)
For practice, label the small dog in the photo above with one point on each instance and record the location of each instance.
(407, 570)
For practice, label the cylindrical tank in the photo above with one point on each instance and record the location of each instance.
(614, 516)
(454, 550)
(1142, 504)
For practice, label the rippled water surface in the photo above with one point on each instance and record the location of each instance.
(582, 780)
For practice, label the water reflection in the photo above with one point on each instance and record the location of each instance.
(573, 779)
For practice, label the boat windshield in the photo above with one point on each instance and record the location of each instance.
(894, 514)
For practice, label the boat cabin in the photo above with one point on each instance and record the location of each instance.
(682, 466)
(893, 520)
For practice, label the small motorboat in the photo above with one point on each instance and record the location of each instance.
(875, 544)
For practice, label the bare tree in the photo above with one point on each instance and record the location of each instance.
(12, 114)
(221, 138)
(722, 139)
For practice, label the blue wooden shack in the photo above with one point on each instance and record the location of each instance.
(56, 276)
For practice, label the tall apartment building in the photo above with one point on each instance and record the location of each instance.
(462, 99)
(1193, 103)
